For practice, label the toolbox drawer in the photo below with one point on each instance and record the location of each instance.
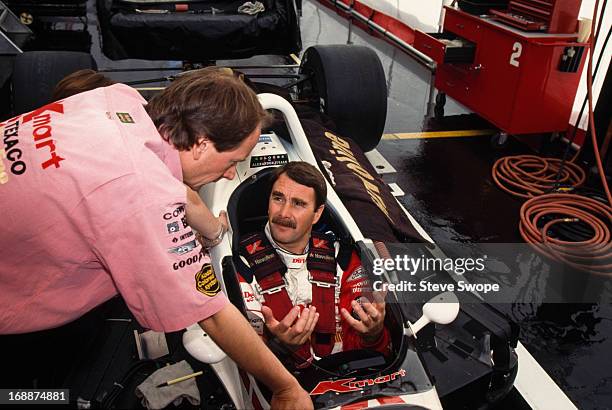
(445, 47)
(462, 25)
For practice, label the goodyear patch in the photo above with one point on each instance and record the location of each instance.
(125, 118)
(206, 281)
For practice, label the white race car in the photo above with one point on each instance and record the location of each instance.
(467, 361)
(351, 379)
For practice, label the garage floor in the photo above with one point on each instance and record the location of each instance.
(449, 191)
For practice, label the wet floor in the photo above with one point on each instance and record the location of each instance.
(450, 192)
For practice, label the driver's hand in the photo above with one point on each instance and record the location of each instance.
(222, 218)
(292, 330)
(372, 317)
(291, 398)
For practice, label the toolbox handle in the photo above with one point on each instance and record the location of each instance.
(561, 44)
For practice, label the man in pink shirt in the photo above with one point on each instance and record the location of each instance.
(93, 204)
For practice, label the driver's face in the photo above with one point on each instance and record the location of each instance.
(291, 213)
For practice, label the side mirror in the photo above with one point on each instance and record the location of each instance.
(201, 346)
(442, 309)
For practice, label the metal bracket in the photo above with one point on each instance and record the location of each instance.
(13, 33)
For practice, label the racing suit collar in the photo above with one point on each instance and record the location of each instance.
(290, 259)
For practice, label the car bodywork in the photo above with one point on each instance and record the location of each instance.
(405, 379)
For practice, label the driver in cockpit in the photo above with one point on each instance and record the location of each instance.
(307, 290)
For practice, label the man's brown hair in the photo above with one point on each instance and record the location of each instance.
(78, 82)
(212, 103)
(304, 174)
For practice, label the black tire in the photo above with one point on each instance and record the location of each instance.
(349, 83)
(36, 73)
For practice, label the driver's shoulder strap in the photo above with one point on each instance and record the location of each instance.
(260, 255)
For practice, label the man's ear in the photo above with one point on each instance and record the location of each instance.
(200, 147)
(318, 214)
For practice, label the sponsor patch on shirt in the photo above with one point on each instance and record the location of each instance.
(172, 227)
(184, 248)
(206, 281)
(125, 117)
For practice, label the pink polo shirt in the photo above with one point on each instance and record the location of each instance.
(91, 205)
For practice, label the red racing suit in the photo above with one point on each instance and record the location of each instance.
(298, 283)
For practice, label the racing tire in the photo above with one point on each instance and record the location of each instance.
(349, 83)
(36, 73)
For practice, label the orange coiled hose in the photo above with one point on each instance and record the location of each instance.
(593, 255)
(527, 176)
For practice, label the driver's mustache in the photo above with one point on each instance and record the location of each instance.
(286, 222)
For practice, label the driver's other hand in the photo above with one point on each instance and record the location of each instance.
(292, 398)
(372, 319)
(295, 328)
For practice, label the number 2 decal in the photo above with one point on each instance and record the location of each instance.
(517, 49)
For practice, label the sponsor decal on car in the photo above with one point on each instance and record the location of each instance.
(268, 160)
(351, 385)
(206, 281)
(343, 154)
(264, 138)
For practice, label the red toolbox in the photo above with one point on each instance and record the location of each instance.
(522, 82)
